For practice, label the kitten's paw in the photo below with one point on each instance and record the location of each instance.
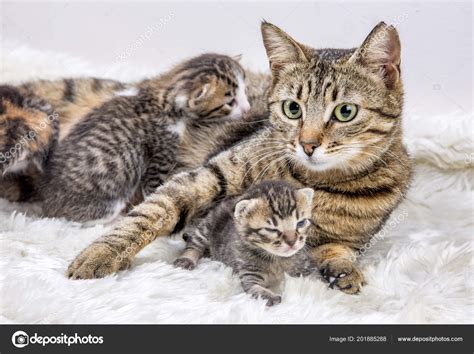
(301, 273)
(344, 274)
(184, 263)
(273, 300)
(96, 261)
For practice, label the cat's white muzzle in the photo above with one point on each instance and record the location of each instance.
(285, 250)
(240, 109)
(320, 161)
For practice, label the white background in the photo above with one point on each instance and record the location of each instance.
(436, 37)
(419, 272)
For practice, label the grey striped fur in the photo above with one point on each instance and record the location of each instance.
(128, 146)
(353, 197)
(249, 232)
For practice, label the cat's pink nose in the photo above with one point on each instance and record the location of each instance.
(245, 106)
(290, 238)
(309, 147)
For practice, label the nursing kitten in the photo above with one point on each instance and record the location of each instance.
(72, 99)
(130, 144)
(261, 235)
(335, 126)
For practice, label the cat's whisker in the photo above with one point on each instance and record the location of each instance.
(250, 149)
(366, 166)
(361, 147)
(250, 168)
(367, 153)
(382, 151)
(287, 156)
(264, 150)
(261, 146)
(261, 174)
(256, 143)
(261, 157)
(255, 121)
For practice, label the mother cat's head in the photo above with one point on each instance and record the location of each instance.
(339, 108)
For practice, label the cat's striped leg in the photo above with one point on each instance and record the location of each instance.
(164, 212)
(196, 244)
(336, 263)
(169, 209)
(197, 241)
(253, 283)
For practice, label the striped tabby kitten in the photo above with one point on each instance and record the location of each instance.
(28, 135)
(335, 126)
(72, 100)
(126, 147)
(260, 235)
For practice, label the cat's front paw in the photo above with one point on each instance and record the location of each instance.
(301, 272)
(272, 298)
(96, 261)
(184, 263)
(343, 274)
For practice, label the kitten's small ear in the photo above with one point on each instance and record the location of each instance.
(281, 48)
(237, 57)
(201, 92)
(381, 53)
(243, 207)
(306, 196)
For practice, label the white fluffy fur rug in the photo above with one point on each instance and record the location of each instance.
(420, 272)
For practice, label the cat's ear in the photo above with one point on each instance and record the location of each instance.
(237, 57)
(196, 97)
(380, 53)
(200, 92)
(305, 196)
(281, 48)
(243, 207)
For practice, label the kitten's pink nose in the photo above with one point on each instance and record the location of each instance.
(290, 238)
(245, 106)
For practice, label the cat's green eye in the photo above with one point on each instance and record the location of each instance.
(292, 109)
(345, 112)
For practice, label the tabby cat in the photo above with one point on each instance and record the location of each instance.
(127, 147)
(74, 99)
(335, 126)
(260, 234)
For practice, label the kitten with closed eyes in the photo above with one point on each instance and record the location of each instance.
(260, 234)
(127, 147)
